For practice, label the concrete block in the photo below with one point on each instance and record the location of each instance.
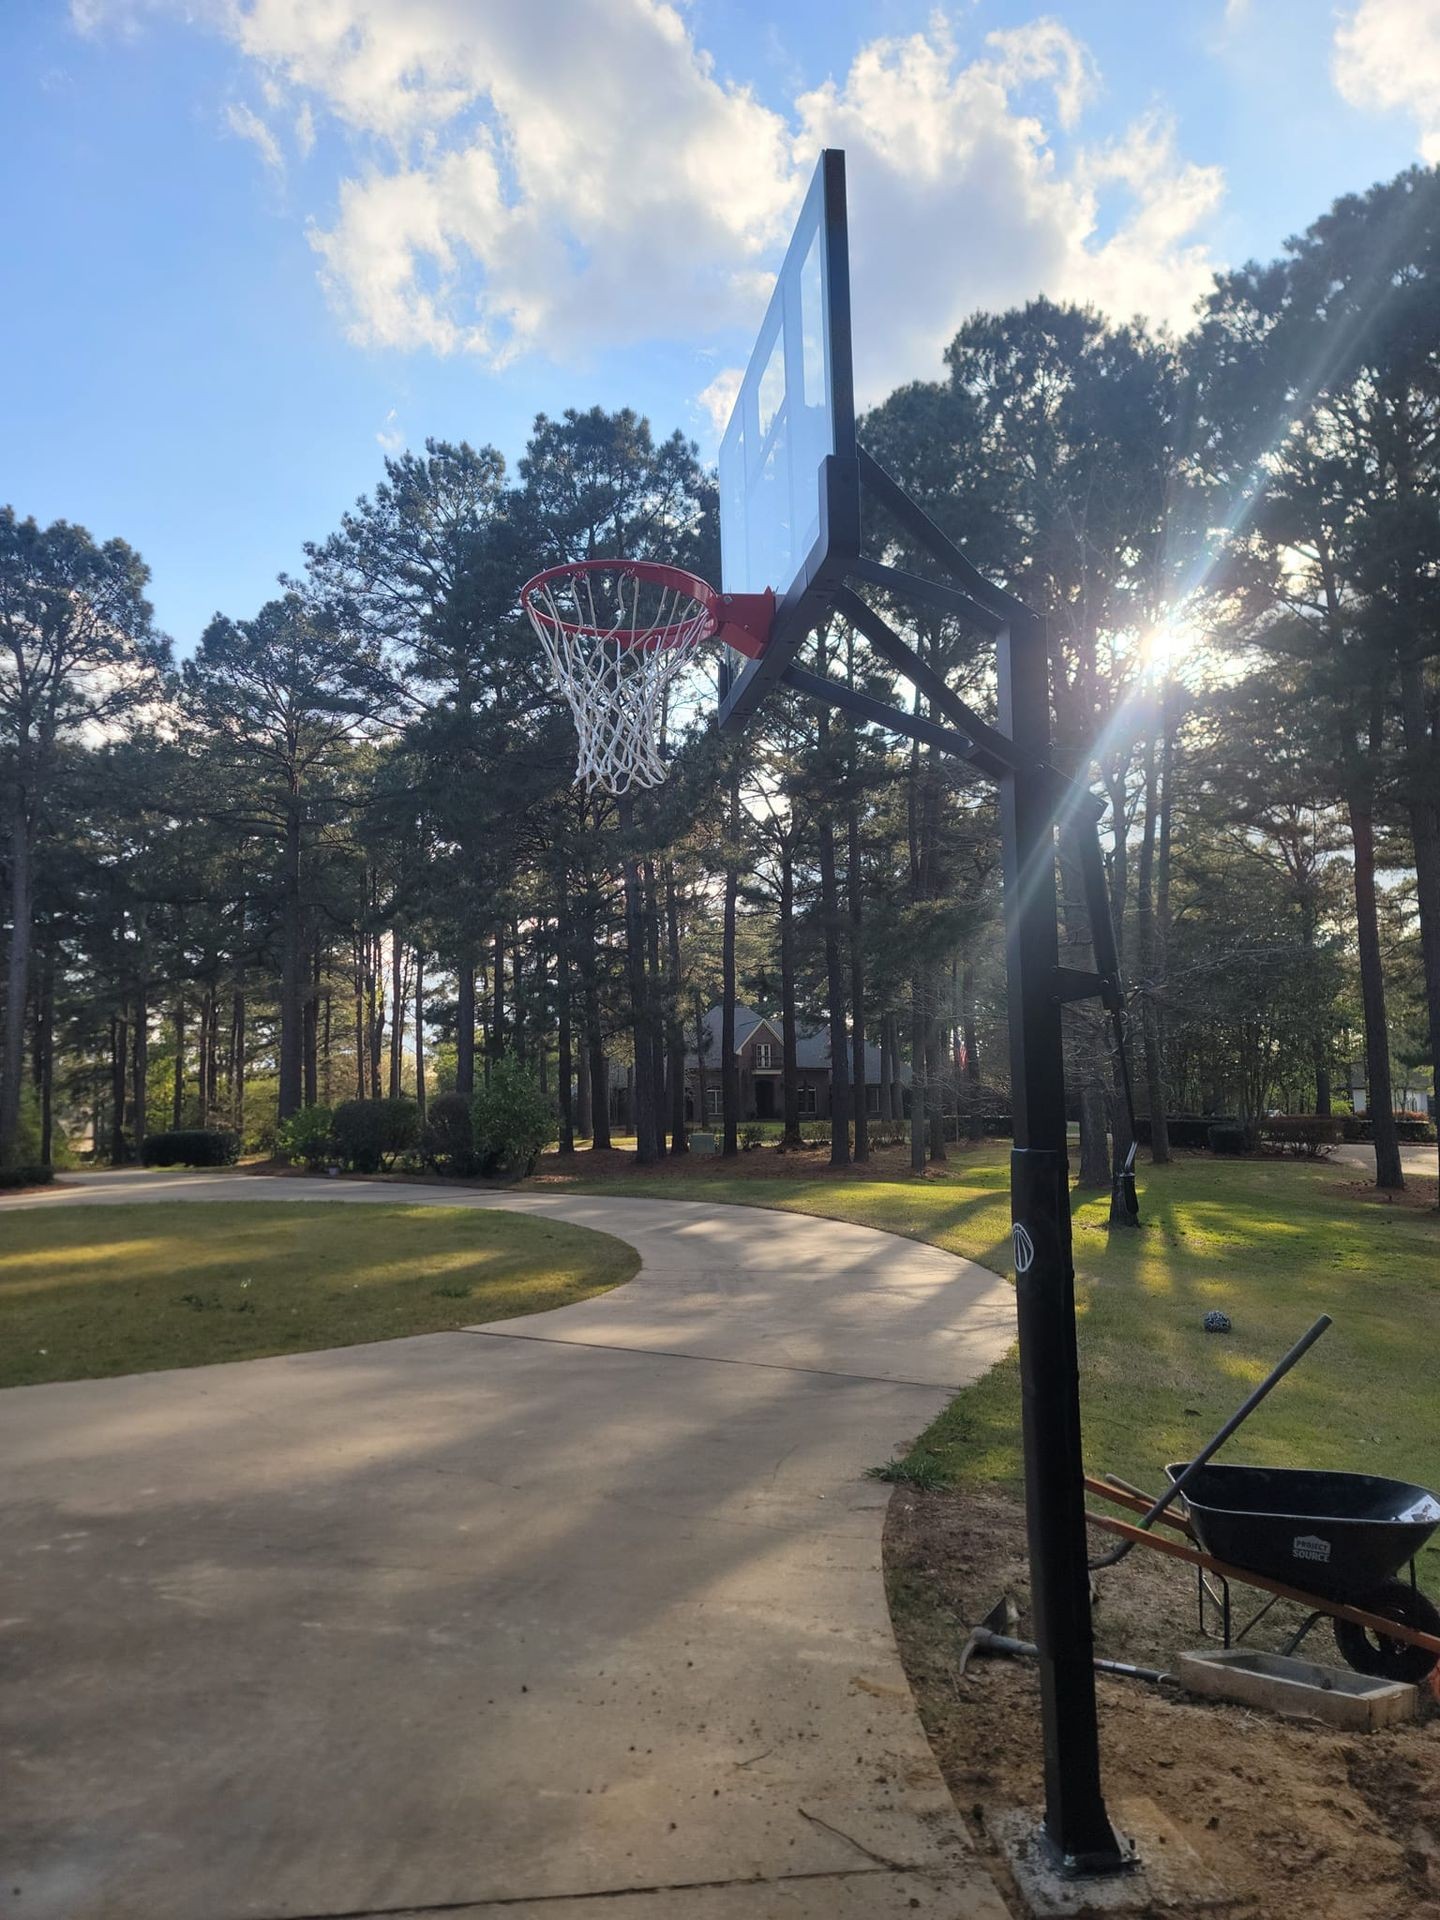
(1168, 1874)
(1301, 1689)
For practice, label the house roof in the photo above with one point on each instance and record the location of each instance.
(812, 1044)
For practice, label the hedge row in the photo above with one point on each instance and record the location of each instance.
(192, 1147)
(498, 1133)
(32, 1173)
(1409, 1127)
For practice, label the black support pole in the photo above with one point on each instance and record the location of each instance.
(1076, 1822)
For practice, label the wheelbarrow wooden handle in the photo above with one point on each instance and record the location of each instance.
(1337, 1609)
(1137, 1502)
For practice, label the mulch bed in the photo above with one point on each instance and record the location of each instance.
(759, 1163)
(1297, 1821)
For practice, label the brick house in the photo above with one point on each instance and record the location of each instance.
(759, 1044)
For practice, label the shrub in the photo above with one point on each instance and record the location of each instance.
(1229, 1137)
(1185, 1129)
(511, 1120)
(752, 1134)
(1409, 1128)
(449, 1144)
(1309, 1134)
(192, 1147)
(307, 1136)
(31, 1173)
(369, 1133)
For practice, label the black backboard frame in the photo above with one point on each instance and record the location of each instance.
(803, 602)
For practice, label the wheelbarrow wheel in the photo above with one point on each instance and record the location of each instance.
(1377, 1653)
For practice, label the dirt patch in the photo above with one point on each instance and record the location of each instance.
(1299, 1822)
(1417, 1193)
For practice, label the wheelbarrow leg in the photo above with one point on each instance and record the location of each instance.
(1220, 1600)
(1256, 1618)
(1299, 1634)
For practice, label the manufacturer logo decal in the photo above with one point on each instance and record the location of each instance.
(1024, 1248)
(1309, 1546)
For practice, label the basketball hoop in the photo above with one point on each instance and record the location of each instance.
(618, 635)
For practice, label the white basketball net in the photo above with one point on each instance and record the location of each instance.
(616, 644)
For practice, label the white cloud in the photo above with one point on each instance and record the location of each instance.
(249, 126)
(1044, 50)
(958, 202)
(562, 180)
(391, 435)
(1387, 55)
(717, 401)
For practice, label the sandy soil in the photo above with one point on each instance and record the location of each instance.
(1298, 1822)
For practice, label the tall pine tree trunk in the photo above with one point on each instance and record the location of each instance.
(564, 1044)
(659, 1061)
(312, 1026)
(598, 1068)
(919, 1091)
(326, 1060)
(17, 979)
(177, 1104)
(789, 1025)
(140, 1059)
(1422, 755)
(855, 881)
(465, 1024)
(420, 1032)
(361, 1044)
(1360, 800)
(119, 1067)
(237, 1040)
(834, 965)
(970, 1039)
(584, 1094)
(291, 967)
(729, 1059)
(398, 998)
(935, 1081)
(45, 1053)
(647, 1149)
(1150, 961)
(674, 1025)
(702, 1083)
(495, 1039)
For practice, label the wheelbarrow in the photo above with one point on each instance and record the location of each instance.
(1334, 1542)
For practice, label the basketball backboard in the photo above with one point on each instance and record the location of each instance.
(789, 487)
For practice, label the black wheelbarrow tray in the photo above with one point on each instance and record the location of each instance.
(1334, 1542)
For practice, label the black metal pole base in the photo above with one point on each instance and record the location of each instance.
(1101, 1864)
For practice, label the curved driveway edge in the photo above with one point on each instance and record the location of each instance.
(577, 1605)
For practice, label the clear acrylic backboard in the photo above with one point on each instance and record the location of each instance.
(795, 407)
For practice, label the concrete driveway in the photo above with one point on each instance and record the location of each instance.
(575, 1616)
(1416, 1162)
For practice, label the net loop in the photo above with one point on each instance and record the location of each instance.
(617, 635)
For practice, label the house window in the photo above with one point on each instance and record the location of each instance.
(872, 1098)
(714, 1102)
(762, 1054)
(807, 1099)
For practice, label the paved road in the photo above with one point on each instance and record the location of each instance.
(1416, 1162)
(575, 1617)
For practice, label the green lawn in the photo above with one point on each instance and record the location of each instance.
(1273, 1243)
(91, 1291)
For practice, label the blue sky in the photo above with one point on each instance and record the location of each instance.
(253, 243)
